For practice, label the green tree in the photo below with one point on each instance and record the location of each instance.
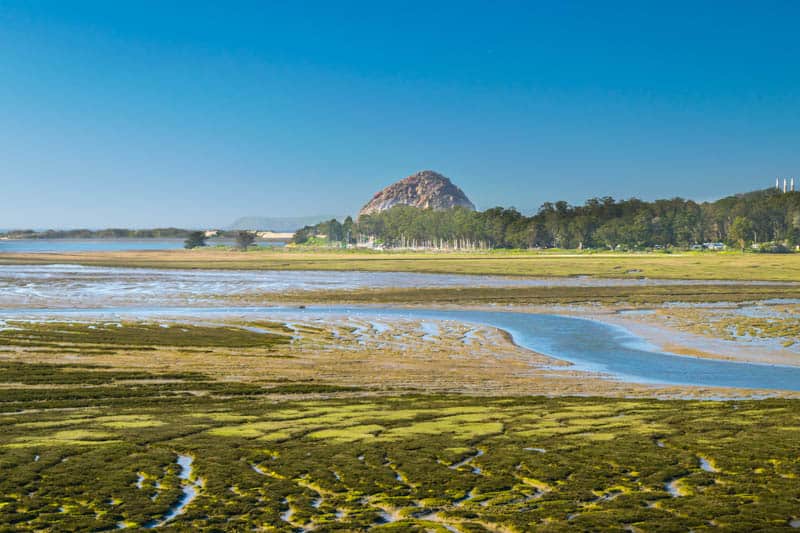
(244, 239)
(609, 233)
(195, 239)
(347, 230)
(302, 235)
(740, 232)
(774, 217)
(333, 231)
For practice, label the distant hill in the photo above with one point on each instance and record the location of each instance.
(426, 190)
(278, 224)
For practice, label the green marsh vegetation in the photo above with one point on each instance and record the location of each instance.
(545, 295)
(420, 462)
(80, 337)
(687, 265)
(95, 447)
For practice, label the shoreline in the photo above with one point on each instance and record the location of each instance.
(680, 342)
(670, 340)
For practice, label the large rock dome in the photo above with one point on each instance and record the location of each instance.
(426, 190)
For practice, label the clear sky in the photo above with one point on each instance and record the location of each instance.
(151, 113)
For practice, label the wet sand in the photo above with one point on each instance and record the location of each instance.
(667, 338)
(673, 340)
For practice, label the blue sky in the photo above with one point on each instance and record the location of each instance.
(151, 113)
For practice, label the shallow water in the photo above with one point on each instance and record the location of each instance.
(189, 489)
(73, 285)
(101, 245)
(706, 465)
(673, 488)
(590, 345)
(430, 331)
(467, 460)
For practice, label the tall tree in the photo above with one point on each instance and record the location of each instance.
(244, 239)
(740, 232)
(195, 239)
(347, 230)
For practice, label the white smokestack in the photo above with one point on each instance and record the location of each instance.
(777, 184)
(784, 184)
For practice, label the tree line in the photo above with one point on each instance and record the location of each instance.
(110, 233)
(197, 239)
(116, 233)
(769, 217)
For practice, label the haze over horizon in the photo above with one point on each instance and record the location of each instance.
(194, 114)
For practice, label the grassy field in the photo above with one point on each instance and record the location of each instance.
(100, 451)
(702, 266)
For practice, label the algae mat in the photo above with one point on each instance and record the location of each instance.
(78, 462)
